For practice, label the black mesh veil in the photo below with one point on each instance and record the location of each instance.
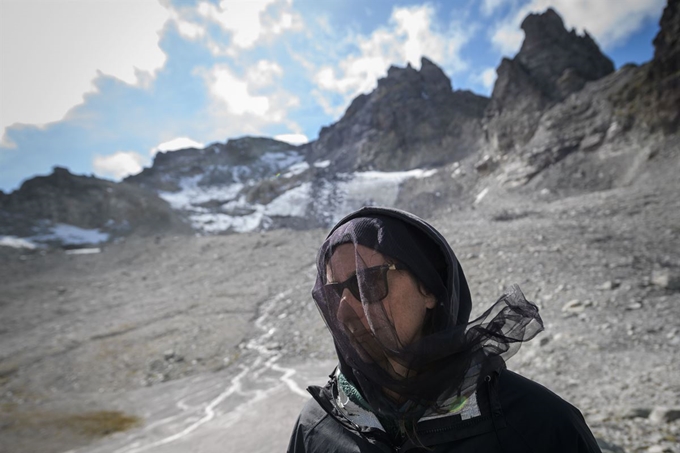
(397, 303)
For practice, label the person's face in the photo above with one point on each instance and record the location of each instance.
(406, 303)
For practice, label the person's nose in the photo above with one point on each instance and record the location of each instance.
(349, 308)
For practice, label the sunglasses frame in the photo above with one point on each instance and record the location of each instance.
(352, 282)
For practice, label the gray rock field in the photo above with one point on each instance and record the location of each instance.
(201, 338)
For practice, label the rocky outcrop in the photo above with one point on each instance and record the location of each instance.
(217, 164)
(413, 118)
(651, 98)
(85, 202)
(551, 64)
(664, 69)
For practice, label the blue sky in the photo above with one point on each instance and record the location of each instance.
(99, 86)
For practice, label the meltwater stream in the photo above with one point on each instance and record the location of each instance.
(248, 408)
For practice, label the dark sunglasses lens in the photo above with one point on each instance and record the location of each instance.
(352, 285)
(337, 288)
(373, 283)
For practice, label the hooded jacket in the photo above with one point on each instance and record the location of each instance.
(505, 413)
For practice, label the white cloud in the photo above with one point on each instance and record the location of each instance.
(119, 164)
(490, 6)
(609, 21)
(235, 93)
(247, 104)
(52, 51)
(263, 74)
(487, 78)
(187, 28)
(410, 35)
(175, 144)
(508, 37)
(293, 139)
(250, 21)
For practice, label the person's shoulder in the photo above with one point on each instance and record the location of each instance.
(541, 417)
(316, 431)
(517, 391)
(312, 414)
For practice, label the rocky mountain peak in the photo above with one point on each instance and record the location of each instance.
(551, 64)
(551, 54)
(413, 118)
(429, 79)
(667, 41)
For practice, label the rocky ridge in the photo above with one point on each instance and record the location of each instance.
(551, 64)
(88, 203)
(412, 119)
(559, 122)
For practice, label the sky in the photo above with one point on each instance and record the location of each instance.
(100, 86)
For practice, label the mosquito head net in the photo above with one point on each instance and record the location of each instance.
(397, 303)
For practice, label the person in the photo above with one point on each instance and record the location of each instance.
(414, 373)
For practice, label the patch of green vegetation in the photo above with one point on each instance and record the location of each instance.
(99, 424)
(88, 424)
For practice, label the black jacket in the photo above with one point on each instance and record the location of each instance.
(517, 415)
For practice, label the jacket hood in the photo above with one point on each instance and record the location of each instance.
(402, 380)
(458, 304)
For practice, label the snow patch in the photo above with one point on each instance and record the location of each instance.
(481, 195)
(218, 222)
(88, 251)
(292, 203)
(322, 163)
(296, 169)
(71, 235)
(372, 188)
(191, 194)
(215, 209)
(15, 242)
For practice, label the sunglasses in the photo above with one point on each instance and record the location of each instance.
(373, 282)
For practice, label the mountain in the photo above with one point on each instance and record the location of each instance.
(412, 119)
(560, 121)
(73, 210)
(551, 64)
(602, 132)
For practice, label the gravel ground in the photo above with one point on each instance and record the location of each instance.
(82, 335)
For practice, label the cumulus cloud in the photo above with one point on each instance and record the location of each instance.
(52, 51)
(175, 144)
(410, 34)
(119, 164)
(293, 139)
(247, 104)
(490, 6)
(608, 21)
(487, 78)
(250, 21)
(235, 93)
(189, 29)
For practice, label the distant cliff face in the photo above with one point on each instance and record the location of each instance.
(84, 202)
(665, 68)
(651, 98)
(220, 163)
(551, 64)
(413, 118)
